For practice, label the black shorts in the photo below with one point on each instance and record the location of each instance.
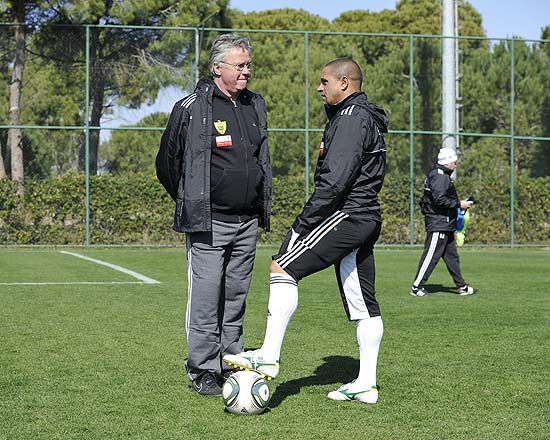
(347, 243)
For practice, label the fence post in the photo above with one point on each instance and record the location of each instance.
(306, 137)
(197, 55)
(411, 138)
(87, 135)
(512, 143)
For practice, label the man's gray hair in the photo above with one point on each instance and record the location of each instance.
(223, 44)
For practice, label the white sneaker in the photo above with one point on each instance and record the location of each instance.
(351, 392)
(253, 361)
(418, 291)
(466, 290)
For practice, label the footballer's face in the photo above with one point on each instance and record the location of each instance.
(331, 87)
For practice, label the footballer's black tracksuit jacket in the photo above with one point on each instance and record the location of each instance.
(213, 160)
(440, 201)
(351, 166)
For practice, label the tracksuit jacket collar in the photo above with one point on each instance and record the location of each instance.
(204, 83)
(360, 99)
(444, 169)
(332, 109)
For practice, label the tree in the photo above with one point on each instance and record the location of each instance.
(487, 101)
(126, 64)
(5, 50)
(53, 96)
(134, 151)
(386, 64)
(129, 66)
(19, 12)
(15, 137)
(279, 76)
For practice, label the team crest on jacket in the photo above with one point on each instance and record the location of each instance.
(321, 148)
(221, 126)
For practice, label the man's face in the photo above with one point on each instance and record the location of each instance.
(330, 87)
(451, 166)
(229, 78)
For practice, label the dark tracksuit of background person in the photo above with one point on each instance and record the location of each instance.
(439, 205)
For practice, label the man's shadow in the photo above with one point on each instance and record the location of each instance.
(334, 370)
(439, 288)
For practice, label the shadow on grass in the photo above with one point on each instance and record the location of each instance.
(334, 370)
(439, 288)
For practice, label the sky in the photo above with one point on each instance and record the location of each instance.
(501, 18)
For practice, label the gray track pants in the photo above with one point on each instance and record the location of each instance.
(219, 270)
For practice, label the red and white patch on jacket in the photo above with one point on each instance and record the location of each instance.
(224, 141)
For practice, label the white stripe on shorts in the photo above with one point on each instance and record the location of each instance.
(352, 287)
(311, 239)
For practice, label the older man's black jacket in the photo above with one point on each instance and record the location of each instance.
(184, 158)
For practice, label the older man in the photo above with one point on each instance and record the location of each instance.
(214, 162)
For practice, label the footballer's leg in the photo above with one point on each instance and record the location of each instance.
(283, 301)
(356, 279)
(317, 250)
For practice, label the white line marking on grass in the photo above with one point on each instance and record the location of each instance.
(143, 278)
(74, 282)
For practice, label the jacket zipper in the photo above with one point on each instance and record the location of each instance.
(245, 147)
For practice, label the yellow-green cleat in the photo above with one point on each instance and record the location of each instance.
(253, 361)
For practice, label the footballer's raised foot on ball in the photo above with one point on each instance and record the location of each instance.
(253, 361)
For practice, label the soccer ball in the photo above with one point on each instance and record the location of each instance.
(245, 392)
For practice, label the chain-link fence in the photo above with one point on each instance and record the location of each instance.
(95, 99)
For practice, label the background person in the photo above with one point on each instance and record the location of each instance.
(439, 205)
(214, 162)
(339, 226)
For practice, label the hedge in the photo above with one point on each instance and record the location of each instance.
(134, 209)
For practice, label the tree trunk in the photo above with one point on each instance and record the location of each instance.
(98, 95)
(15, 135)
(96, 111)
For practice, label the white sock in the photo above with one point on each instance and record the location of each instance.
(369, 336)
(283, 301)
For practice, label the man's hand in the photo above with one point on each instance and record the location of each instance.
(465, 204)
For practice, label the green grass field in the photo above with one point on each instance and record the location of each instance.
(106, 360)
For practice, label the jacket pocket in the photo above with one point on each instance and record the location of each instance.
(228, 189)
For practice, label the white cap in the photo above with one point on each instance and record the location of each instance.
(446, 155)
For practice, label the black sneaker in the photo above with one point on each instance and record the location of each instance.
(226, 373)
(419, 291)
(221, 378)
(207, 384)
